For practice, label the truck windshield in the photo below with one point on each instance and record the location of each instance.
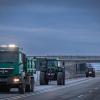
(8, 56)
(52, 63)
(90, 69)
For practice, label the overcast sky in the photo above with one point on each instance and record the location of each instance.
(47, 27)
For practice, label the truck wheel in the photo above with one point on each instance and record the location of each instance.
(93, 75)
(21, 89)
(47, 82)
(7, 89)
(1, 89)
(27, 88)
(63, 81)
(60, 79)
(86, 75)
(4, 89)
(42, 78)
(32, 84)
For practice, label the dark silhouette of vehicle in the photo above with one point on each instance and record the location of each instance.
(50, 70)
(90, 72)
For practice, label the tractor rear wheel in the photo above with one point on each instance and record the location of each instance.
(60, 78)
(42, 78)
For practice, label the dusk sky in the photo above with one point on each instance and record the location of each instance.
(51, 27)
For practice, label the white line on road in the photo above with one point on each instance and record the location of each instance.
(80, 96)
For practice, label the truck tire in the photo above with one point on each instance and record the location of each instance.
(60, 78)
(87, 75)
(32, 84)
(4, 89)
(1, 89)
(47, 82)
(93, 75)
(21, 88)
(27, 88)
(7, 89)
(42, 78)
(63, 81)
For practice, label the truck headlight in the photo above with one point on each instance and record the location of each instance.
(90, 72)
(16, 80)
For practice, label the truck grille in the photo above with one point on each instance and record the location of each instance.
(3, 80)
(6, 71)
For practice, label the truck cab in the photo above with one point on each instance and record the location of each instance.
(14, 69)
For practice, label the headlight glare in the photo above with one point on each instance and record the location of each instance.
(16, 79)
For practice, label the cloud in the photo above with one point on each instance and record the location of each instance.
(44, 40)
(5, 3)
(22, 29)
(62, 34)
(52, 6)
(51, 26)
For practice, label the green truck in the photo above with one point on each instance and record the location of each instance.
(50, 70)
(16, 69)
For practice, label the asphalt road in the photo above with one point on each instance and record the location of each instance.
(76, 89)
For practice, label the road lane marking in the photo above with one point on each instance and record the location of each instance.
(80, 96)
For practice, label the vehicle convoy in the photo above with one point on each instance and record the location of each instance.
(90, 71)
(16, 70)
(50, 70)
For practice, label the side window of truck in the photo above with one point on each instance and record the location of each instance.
(20, 63)
(20, 58)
